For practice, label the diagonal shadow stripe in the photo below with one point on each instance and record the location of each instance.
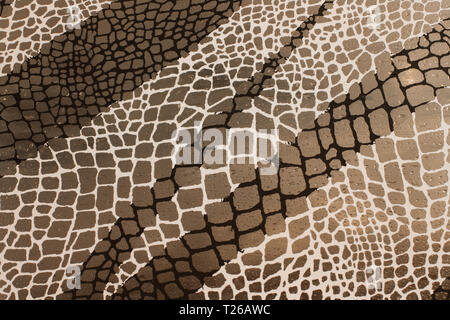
(80, 73)
(373, 109)
(3, 4)
(443, 291)
(23, 38)
(95, 264)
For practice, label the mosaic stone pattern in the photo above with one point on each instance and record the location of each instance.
(358, 91)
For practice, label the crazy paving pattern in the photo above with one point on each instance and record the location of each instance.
(26, 25)
(358, 207)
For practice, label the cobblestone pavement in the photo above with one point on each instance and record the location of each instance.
(352, 96)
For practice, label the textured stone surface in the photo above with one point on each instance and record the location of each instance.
(362, 120)
(80, 73)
